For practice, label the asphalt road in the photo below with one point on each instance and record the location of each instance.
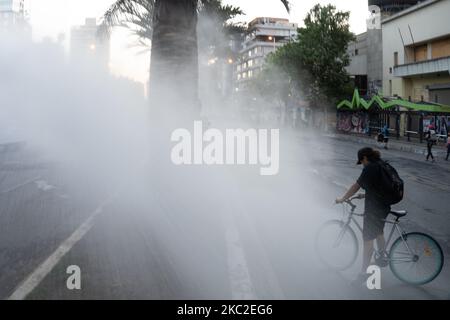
(199, 233)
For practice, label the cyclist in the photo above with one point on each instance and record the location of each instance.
(375, 208)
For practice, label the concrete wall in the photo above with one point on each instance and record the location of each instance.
(428, 21)
(374, 61)
(358, 61)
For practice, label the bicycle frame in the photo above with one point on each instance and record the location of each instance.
(395, 227)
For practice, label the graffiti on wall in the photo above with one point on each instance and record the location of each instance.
(440, 124)
(353, 122)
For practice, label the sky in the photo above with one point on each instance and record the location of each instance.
(49, 18)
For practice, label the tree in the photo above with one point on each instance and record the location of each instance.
(174, 56)
(323, 45)
(316, 61)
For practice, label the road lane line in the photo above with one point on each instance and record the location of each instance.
(329, 179)
(271, 278)
(240, 278)
(36, 277)
(240, 282)
(20, 185)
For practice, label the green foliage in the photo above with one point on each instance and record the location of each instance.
(215, 29)
(316, 61)
(272, 84)
(137, 16)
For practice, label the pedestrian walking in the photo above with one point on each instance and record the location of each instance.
(431, 139)
(385, 133)
(448, 146)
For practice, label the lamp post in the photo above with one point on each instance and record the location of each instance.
(273, 39)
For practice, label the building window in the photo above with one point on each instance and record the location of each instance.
(390, 70)
(356, 52)
(395, 59)
(250, 53)
(250, 63)
(239, 76)
(390, 88)
(250, 74)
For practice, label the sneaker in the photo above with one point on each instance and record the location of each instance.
(382, 259)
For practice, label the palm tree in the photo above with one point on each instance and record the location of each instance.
(172, 25)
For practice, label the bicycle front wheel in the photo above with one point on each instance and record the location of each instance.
(336, 245)
(416, 259)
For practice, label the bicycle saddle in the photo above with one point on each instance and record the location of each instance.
(399, 213)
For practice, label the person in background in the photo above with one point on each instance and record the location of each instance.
(448, 146)
(430, 137)
(385, 132)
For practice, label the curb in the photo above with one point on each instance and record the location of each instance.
(392, 145)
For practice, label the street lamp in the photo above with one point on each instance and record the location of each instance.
(272, 39)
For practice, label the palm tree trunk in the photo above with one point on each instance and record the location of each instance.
(174, 58)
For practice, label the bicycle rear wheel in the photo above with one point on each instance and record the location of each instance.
(336, 245)
(416, 260)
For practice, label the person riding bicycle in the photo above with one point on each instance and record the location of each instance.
(376, 210)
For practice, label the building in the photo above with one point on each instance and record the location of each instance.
(390, 7)
(366, 52)
(264, 36)
(358, 52)
(12, 15)
(85, 43)
(416, 53)
(415, 71)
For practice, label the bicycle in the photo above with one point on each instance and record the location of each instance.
(414, 258)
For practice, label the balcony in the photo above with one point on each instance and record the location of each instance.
(438, 65)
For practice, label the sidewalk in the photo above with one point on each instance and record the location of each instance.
(394, 144)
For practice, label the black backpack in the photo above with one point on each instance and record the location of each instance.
(392, 186)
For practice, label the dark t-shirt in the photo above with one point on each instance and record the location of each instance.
(370, 181)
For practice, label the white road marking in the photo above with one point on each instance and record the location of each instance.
(43, 185)
(241, 285)
(339, 184)
(239, 272)
(20, 185)
(35, 278)
(269, 274)
(325, 177)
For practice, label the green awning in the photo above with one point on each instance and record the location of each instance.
(358, 102)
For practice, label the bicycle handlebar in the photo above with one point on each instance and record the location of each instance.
(350, 203)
